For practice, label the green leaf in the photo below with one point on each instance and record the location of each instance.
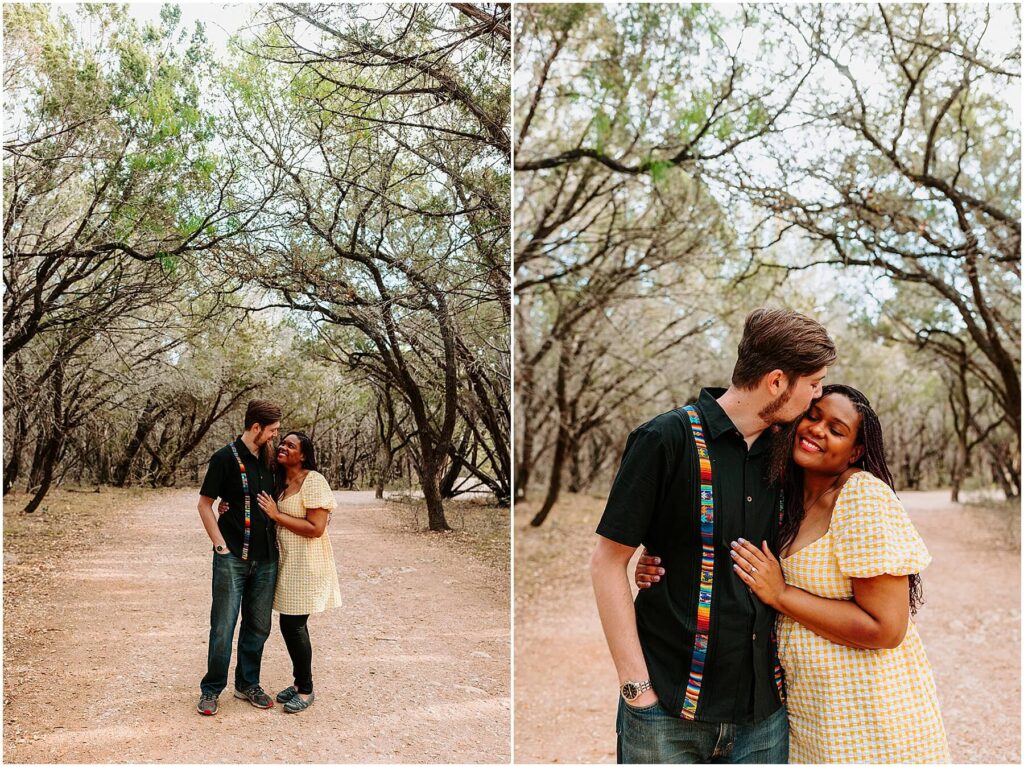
(659, 169)
(168, 262)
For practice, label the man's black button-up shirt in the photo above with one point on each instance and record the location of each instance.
(224, 480)
(655, 501)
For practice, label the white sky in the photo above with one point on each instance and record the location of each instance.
(221, 19)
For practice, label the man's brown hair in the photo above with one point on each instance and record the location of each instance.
(780, 339)
(261, 411)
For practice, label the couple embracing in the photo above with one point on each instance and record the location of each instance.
(781, 572)
(269, 553)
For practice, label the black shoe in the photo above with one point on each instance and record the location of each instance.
(207, 705)
(287, 694)
(256, 696)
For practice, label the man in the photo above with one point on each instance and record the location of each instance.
(695, 656)
(244, 557)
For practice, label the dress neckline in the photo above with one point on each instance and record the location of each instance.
(828, 529)
(298, 490)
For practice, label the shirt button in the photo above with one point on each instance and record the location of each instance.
(749, 499)
(755, 637)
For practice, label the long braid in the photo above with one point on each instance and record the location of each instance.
(785, 470)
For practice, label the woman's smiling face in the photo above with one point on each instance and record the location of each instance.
(827, 437)
(289, 452)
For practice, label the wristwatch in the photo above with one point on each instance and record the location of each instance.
(220, 549)
(633, 690)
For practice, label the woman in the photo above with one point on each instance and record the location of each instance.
(307, 580)
(858, 685)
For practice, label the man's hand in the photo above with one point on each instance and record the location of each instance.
(647, 570)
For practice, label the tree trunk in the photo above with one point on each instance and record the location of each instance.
(52, 446)
(430, 482)
(147, 422)
(451, 476)
(524, 467)
(13, 467)
(156, 466)
(959, 467)
(45, 479)
(562, 442)
(385, 458)
(575, 470)
(35, 472)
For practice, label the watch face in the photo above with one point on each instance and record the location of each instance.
(629, 691)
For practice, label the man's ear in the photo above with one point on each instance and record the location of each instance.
(777, 382)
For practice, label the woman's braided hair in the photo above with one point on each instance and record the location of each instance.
(786, 471)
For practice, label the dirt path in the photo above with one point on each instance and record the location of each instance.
(105, 647)
(970, 624)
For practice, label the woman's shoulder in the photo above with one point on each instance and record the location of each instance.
(864, 493)
(863, 482)
(872, 532)
(316, 482)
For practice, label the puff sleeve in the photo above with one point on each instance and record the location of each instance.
(316, 493)
(872, 533)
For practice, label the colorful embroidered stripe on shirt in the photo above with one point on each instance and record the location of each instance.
(780, 679)
(248, 503)
(707, 567)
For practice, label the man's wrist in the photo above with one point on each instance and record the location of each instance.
(632, 689)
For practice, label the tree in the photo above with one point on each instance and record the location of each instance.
(387, 223)
(612, 206)
(910, 170)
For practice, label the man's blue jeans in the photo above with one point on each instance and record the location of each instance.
(238, 585)
(651, 735)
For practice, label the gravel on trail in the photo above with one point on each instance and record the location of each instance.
(565, 683)
(105, 640)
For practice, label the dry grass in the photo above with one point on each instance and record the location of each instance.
(68, 518)
(1001, 522)
(557, 552)
(479, 528)
(36, 546)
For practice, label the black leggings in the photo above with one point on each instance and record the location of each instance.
(296, 638)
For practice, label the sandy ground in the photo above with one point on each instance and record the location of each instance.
(105, 640)
(565, 684)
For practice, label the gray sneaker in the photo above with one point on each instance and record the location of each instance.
(298, 703)
(207, 705)
(256, 696)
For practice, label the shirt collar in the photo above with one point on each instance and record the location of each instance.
(240, 443)
(718, 422)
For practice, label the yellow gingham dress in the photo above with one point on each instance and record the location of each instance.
(307, 578)
(849, 705)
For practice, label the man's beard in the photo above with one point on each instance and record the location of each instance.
(265, 451)
(767, 413)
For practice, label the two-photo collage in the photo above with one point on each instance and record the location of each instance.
(511, 383)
